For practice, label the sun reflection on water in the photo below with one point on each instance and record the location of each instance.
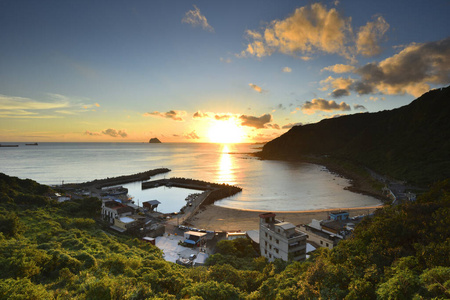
(226, 164)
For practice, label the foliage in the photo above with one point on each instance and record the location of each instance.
(54, 251)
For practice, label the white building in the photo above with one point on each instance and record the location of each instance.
(280, 239)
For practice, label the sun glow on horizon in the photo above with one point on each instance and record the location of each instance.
(226, 132)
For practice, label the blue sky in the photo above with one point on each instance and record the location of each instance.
(127, 71)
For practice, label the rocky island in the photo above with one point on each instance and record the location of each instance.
(154, 141)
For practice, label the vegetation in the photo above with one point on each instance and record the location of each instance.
(57, 250)
(409, 143)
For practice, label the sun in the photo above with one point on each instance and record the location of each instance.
(226, 132)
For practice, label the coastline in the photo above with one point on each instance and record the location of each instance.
(361, 181)
(213, 217)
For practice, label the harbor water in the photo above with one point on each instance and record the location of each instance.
(267, 185)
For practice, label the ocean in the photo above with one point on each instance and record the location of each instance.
(267, 185)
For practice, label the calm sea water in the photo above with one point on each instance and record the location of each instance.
(267, 185)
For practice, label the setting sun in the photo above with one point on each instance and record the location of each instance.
(226, 132)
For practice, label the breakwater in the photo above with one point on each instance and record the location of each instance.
(101, 183)
(217, 191)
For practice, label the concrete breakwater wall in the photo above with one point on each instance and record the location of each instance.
(101, 183)
(217, 191)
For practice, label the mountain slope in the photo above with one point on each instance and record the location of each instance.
(411, 142)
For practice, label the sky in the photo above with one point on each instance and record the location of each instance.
(210, 71)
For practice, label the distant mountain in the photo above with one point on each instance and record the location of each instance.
(154, 141)
(410, 143)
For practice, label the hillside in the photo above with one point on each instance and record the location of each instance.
(51, 250)
(409, 143)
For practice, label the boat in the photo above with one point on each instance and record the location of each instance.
(9, 145)
(33, 144)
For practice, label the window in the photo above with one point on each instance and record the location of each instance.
(321, 242)
(266, 234)
(277, 241)
(265, 252)
(270, 247)
(276, 250)
(270, 255)
(270, 237)
(265, 242)
(327, 244)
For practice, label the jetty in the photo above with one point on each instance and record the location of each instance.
(101, 183)
(216, 191)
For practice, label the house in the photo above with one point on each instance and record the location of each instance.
(280, 240)
(112, 210)
(318, 237)
(151, 205)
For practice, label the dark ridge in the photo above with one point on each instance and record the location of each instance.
(410, 143)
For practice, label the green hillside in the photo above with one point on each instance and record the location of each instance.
(409, 143)
(60, 251)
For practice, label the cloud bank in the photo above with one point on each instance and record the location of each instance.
(312, 29)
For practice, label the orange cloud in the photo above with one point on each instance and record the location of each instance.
(339, 68)
(309, 29)
(256, 88)
(369, 36)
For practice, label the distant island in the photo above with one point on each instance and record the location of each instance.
(154, 141)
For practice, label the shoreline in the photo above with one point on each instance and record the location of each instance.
(213, 217)
(361, 182)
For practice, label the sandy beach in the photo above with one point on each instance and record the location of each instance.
(218, 218)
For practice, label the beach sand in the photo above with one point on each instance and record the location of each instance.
(218, 218)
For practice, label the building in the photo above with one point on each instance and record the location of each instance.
(318, 237)
(280, 240)
(113, 210)
(151, 205)
(195, 238)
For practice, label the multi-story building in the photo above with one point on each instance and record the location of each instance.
(280, 239)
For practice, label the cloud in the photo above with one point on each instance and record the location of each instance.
(256, 122)
(19, 103)
(358, 106)
(200, 115)
(369, 36)
(337, 83)
(211, 115)
(339, 68)
(256, 88)
(308, 30)
(290, 125)
(287, 70)
(337, 93)
(87, 132)
(410, 71)
(310, 107)
(195, 18)
(115, 133)
(176, 115)
(192, 136)
(226, 60)
(273, 126)
(54, 107)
